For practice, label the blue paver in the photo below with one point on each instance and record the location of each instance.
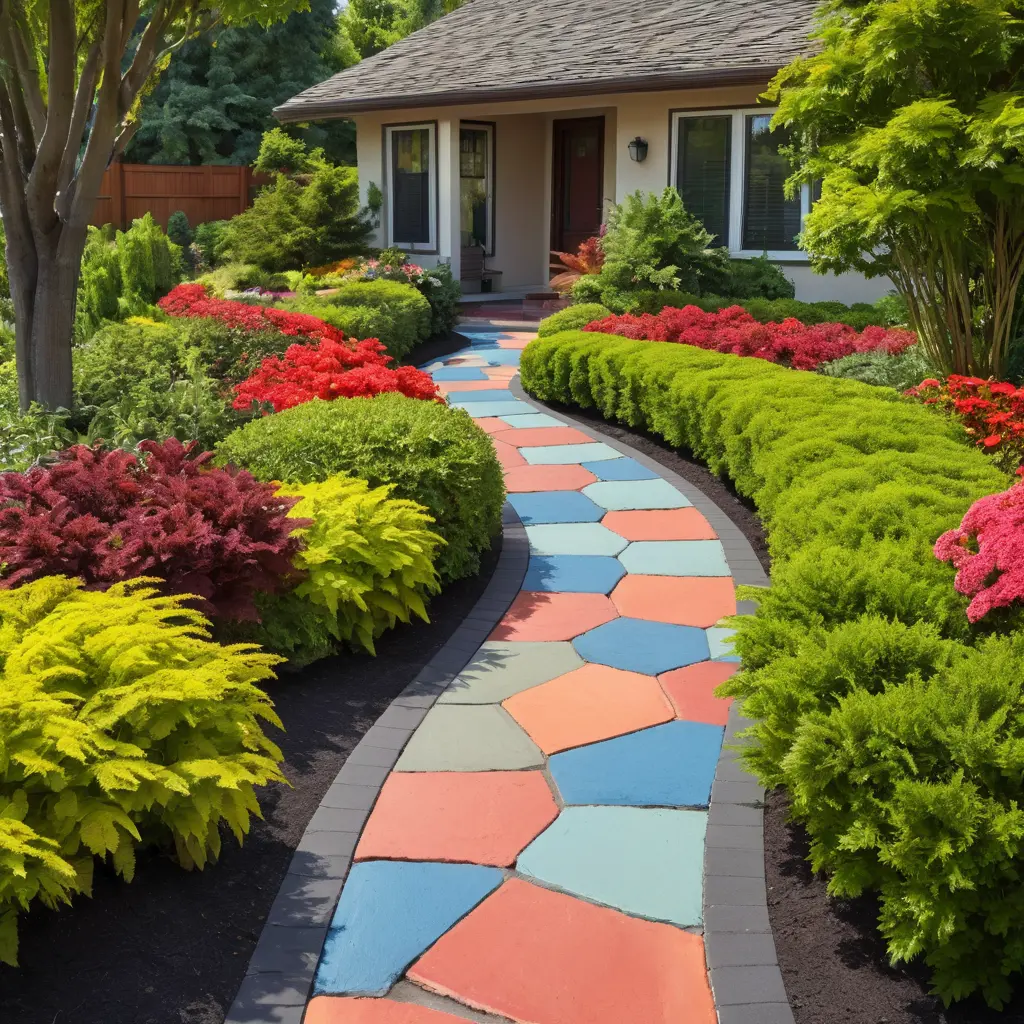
(574, 539)
(637, 645)
(574, 574)
(719, 638)
(620, 469)
(568, 454)
(643, 861)
(676, 558)
(390, 912)
(536, 419)
(459, 373)
(484, 410)
(623, 496)
(499, 357)
(555, 507)
(473, 397)
(670, 765)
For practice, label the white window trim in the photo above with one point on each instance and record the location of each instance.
(737, 175)
(488, 129)
(411, 247)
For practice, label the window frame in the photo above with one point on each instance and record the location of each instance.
(738, 156)
(491, 129)
(430, 248)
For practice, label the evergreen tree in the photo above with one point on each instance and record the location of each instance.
(373, 25)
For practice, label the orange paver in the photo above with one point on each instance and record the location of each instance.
(448, 386)
(534, 955)
(660, 524)
(533, 437)
(491, 424)
(590, 704)
(543, 616)
(500, 372)
(520, 341)
(343, 1010)
(474, 817)
(508, 455)
(547, 478)
(683, 600)
(692, 691)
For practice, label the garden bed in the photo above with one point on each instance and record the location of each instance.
(172, 947)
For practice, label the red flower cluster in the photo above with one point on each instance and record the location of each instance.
(991, 411)
(330, 370)
(988, 552)
(105, 516)
(804, 347)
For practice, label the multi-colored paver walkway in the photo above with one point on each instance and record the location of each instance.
(537, 852)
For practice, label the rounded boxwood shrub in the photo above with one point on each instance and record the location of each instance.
(432, 454)
(574, 318)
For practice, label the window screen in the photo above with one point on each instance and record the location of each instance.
(410, 185)
(703, 168)
(770, 220)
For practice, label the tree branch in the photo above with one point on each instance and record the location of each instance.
(27, 72)
(80, 115)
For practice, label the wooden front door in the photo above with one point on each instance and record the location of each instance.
(578, 186)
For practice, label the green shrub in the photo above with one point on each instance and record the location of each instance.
(443, 293)
(208, 238)
(24, 439)
(434, 455)
(883, 370)
(757, 278)
(588, 289)
(368, 562)
(121, 724)
(179, 231)
(9, 400)
(572, 319)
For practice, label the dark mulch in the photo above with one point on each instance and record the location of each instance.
(172, 947)
(832, 957)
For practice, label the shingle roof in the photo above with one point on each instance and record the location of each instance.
(509, 49)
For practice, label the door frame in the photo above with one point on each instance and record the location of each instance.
(558, 167)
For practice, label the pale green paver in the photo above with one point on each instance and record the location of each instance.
(535, 419)
(627, 495)
(567, 454)
(574, 539)
(676, 558)
(719, 642)
(469, 738)
(501, 670)
(644, 861)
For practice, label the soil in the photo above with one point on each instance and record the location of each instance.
(172, 947)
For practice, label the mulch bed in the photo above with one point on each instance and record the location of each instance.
(832, 958)
(172, 947)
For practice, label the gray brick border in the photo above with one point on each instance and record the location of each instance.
(743, 968)
(279, 978)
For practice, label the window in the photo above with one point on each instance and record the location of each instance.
(727, 167)
(476, 160)
(412, 186)
(703, 171)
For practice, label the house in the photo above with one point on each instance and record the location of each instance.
(514, 125)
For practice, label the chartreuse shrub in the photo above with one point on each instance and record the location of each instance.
(575, 318)
(121, 724)
(367, 562)
(895, 726)
(432, 454)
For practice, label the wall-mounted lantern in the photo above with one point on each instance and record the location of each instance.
(638, 150)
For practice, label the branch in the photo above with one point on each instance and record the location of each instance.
(28, 74)
(146, 54)
(21, 120)
(79, 117)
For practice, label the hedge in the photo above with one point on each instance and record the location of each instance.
(860, 661)
(432, 454)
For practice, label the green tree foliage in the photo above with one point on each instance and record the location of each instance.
(912, 118)
(214, 102)
(373, 25)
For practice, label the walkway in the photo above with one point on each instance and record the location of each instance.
(537, 853)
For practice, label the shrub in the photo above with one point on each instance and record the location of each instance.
(9, 398)
(26, 438)
(588, 259)
(105, 517)
(179, 231)
(443, 293)
(734, 330)
(367, 561)
(208, 238)
(432, 454)
(757, 278)
(121, 723)
(575, 318)
(882, 369)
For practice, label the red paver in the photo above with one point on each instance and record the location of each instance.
(491, 424)
(474, 817)
(661, 524)
(532, 437)
(543, 616)
(345, 1010)
(548, 478)
(682, 600)
(692, 691)
(508, 455)
(546, 958)
(447, 386)
(589, 704)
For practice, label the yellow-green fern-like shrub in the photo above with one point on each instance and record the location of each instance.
(121, 723)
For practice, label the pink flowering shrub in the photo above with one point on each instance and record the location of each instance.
(733, 329)
(987, 550)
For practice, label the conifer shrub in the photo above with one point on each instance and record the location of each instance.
(121, 724)
(432, 454)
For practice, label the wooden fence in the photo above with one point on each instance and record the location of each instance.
(202, 193)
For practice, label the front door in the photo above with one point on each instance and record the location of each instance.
(578, 187)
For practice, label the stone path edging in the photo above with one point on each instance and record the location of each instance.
(279, 978)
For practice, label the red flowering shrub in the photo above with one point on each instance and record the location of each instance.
(987, 550)
(991, 411)
(330, 370)
(733, 329)
(105, 516)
